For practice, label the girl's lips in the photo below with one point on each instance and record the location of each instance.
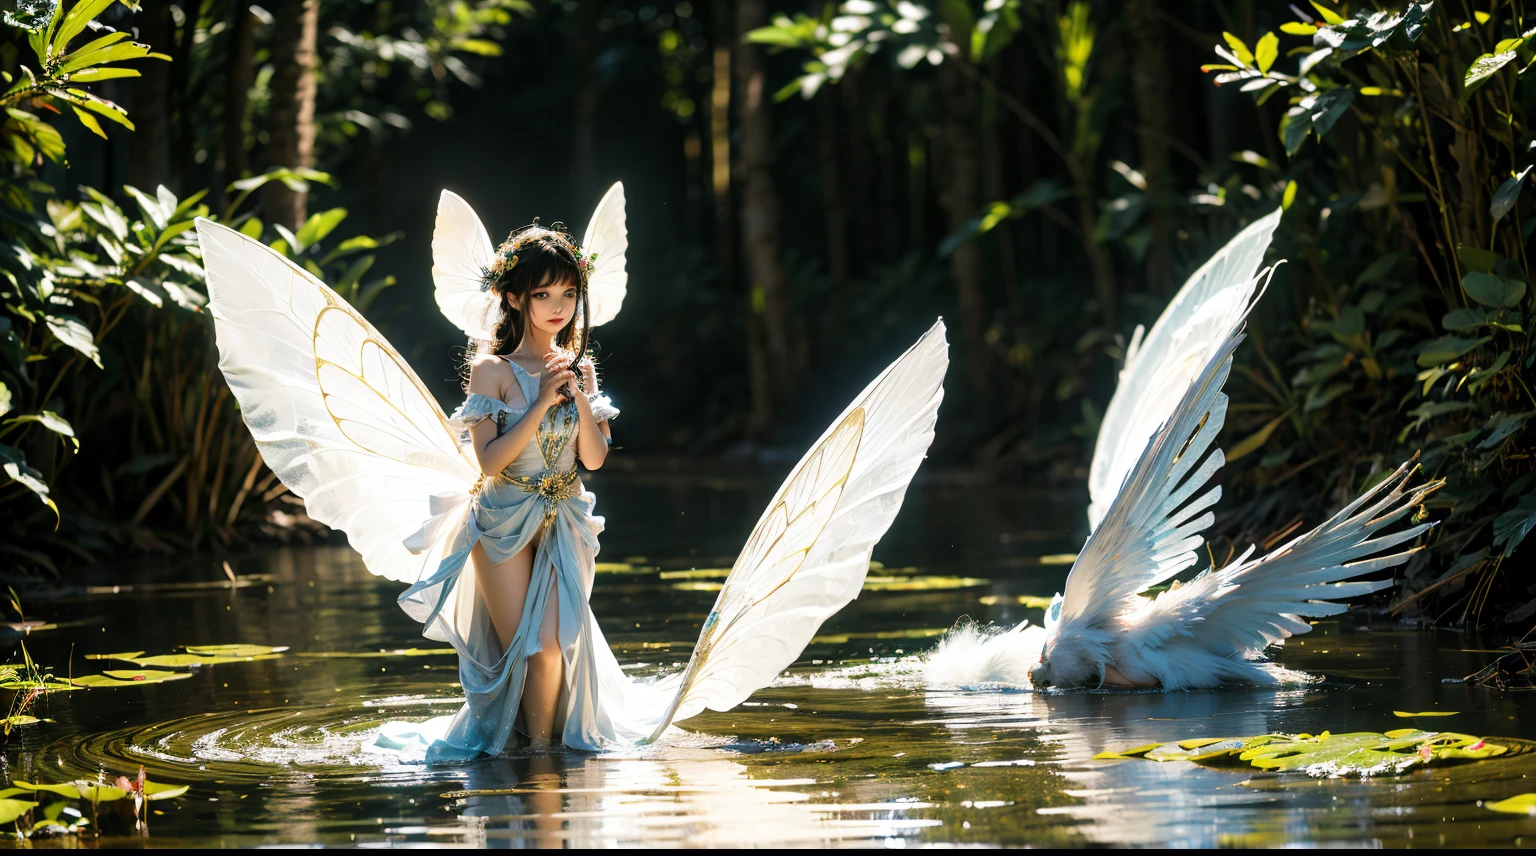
(556, 320)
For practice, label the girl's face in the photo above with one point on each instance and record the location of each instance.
(551, 306)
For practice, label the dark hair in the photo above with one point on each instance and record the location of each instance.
(546, 259)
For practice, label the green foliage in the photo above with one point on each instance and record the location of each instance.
(112, 421)
(1405, 345)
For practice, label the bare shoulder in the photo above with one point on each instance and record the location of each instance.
(489, 375)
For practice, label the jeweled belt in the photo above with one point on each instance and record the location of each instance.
(553, 486)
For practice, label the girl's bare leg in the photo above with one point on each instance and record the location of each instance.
(546, 672)
(504, 587)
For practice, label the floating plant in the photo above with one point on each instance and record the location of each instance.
(1325, 754)
(196, 656)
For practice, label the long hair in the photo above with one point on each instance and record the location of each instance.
(544, 260)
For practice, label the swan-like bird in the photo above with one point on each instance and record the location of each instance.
(1149, 505)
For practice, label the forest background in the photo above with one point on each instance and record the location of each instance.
(809, 184)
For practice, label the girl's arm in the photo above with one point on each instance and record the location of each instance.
(592, 437)
(491, 377)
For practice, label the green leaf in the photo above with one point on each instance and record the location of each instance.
(1330, 17)
(1508, 193)
(15, 465)
(11, 809)
(319, 225)
(1494, 291)
(89, 122)
(1447, 348)
(68, 791)
(73, 332)
(5, 399)
(1511, 527)
(1477, 259)
(1255, 441)
(1464, 320)
(75, 21)
(1238, 48)
(1297, 28)
(50, 420)
(1483, 68)
(1266, 51)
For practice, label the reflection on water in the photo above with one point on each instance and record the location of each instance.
(849, 747)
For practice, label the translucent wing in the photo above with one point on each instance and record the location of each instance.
(461, 253)
(608, 237)
(337, 414)
(1159, 368)
(809, 553)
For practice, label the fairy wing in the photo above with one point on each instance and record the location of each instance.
(607, 237)
(1160, 367)
(336, 412)
(809, 552)
(461, 254)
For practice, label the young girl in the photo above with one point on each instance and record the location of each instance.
(529, 422)
(497, 535)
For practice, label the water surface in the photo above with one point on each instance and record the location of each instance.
(848, 748)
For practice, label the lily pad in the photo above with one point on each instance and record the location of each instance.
(1325, 754)
(397, 652)
(1406, 714)
(1521, 804)
(936, 583)
(68, 791)
(1028, 601)
(11, 809)
(129, 678)
(243, 652)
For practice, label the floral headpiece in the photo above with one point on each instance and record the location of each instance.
(511, 249)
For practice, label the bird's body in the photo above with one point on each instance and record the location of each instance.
(1149, 505)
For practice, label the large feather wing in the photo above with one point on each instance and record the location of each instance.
(1159, 368)
(1151, 531)
(809, 552)
(1254, 603)
(608, 237)
(461, 254)
(336, 412)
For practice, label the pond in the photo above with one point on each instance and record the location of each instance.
(848, 748)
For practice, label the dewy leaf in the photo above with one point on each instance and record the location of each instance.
(1520, 804)
(1495, 291)
(1508, 194)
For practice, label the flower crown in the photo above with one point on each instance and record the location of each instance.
(511, 249)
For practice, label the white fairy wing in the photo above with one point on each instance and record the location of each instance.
(608, 237)
(1159, 368)
(336, 412)
(461, 254)
(809, 553)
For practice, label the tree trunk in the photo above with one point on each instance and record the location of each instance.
(584, 40)
(292, 136)
(240, 73)
(760, 213)
(149, 147)
(1149, 81)
(960, 200)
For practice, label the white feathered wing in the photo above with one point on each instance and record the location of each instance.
(336, 412)
(1161, 366)
(809, 553)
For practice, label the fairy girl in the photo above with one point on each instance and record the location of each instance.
(497, 536)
